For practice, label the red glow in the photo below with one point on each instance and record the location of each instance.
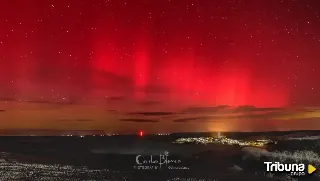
(137, 56)
(184, 76)
(100, 62)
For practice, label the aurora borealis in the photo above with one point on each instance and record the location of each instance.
(102, 60)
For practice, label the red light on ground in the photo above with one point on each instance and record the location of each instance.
(141, 133)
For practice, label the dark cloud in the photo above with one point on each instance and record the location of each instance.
(308, 110)
(249, 108)
(228, 109)
(152, 113)
(67, 102)
(200, 119)
(51, 102)
(76, 120)
(170, 116)
(84, 120)
(245, 116)
(265, 115)
(113, 111)
(139, 120)
(205, 109)
(254, 116)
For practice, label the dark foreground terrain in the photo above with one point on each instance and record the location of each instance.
(138, 158)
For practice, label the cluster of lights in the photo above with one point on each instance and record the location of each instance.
(222, 140)
(163, 134)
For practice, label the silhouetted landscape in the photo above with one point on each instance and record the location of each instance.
(114, 157)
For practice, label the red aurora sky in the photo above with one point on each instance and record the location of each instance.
(119, 54)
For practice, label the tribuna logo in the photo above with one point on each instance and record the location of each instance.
(294, 168)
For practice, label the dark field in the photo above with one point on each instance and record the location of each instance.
(114, 157)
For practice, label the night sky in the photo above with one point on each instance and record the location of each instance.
(160, 65)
